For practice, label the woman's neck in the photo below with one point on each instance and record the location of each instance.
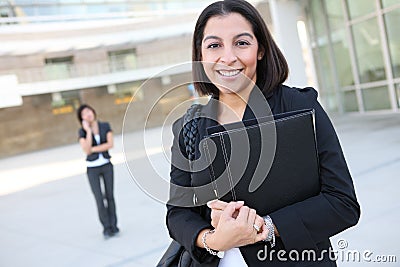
(232, 106)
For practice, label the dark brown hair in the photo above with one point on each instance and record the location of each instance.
(79, 111)
(272, 69)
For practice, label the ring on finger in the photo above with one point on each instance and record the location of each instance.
(255, 226)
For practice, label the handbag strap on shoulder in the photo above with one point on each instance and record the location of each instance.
(190, 129)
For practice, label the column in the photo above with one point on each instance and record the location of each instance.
(284, 14)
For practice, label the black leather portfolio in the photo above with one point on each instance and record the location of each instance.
(269, 162)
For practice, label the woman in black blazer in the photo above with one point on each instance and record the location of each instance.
(96, 138)
(240, 60)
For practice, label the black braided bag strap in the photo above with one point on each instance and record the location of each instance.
(190, 131)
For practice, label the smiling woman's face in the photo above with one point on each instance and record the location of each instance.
(230, 52)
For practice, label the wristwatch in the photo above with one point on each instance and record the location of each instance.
(271, 230)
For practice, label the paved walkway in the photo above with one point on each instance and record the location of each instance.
(48, 214)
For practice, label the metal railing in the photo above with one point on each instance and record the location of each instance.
(69, 71)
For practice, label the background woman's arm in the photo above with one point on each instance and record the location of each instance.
(105, 146)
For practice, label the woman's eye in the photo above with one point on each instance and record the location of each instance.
(213, 45)
(242, 43)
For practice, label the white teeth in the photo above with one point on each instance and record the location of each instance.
(229, 73)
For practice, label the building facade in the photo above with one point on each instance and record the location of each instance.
(356, 50)
(57, 54)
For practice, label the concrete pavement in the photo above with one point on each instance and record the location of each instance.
(49, 218)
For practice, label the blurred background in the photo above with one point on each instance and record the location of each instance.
(57, 54)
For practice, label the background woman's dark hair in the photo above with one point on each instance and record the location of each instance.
(272, 69)
(79, 111)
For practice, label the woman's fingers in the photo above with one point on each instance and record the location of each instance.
(254, 226)
(239, 204)
(217, 204)
(259, 221)
(251, 219)
(261, 236)
(220, 205)
(243, 215)
(215, 216)
(263, 233)
(229, 210)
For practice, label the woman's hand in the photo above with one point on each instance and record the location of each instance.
(86, 126)
(235, 227)
(86, 142)
(218, 206)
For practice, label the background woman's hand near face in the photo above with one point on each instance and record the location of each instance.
(85, 125)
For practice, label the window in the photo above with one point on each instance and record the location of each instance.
(48, 10)
(342, 58)
(58, 67)
(392, 21)
(125, 92)
(103, 9)
(332, 46)
(321, 52)
(340, 43)
(387, 3)
(327, 78)
(368, 50)
(65, 102)
(335, 14)
(350, 101)
(5, 12)
(359, 8)
(318, 17)
(122, 60)
(376, 98)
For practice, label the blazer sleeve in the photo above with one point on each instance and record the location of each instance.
(81, 133)
(184, 223)
(107, 127)
(304, 224)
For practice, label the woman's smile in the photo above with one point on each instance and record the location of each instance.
(229, 73)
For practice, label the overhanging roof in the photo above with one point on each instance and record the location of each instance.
(44, 45)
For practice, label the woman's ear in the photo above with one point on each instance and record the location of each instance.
(260, 53)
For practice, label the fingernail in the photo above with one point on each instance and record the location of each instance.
(241, 202)
(210, 202)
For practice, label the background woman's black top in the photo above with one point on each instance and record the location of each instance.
(104, 128)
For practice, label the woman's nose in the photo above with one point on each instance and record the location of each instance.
(228, 56)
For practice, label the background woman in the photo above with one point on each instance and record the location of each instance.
(96, 139)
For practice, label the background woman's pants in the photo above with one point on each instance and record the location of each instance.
(106, 209)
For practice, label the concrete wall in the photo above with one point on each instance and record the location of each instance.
(29, 68)
(33, 126)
